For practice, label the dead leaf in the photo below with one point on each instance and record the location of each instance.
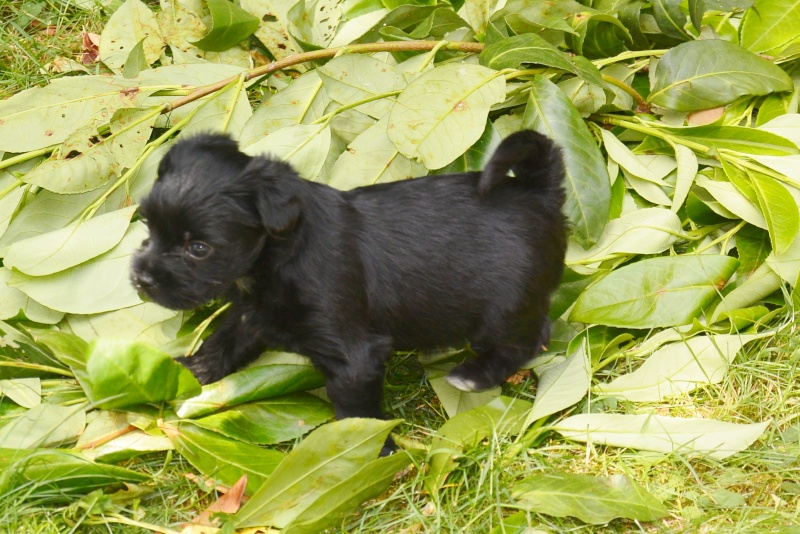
(228, 503)
(63, 64)
(704, 116)
(50, 30)
(90, 48)
(519, 377)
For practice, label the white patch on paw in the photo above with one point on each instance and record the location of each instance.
(464, 384)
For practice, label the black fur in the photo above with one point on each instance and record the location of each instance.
(347, 277)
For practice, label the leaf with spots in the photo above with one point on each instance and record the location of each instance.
(132, 23)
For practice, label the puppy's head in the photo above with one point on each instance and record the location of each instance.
(210, 213)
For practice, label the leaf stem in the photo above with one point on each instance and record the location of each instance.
(21, 158)
(203, 326)
(237, 90)
(326, 118)
(38, 367)
(600, 63)
(642, 104)
(724, 237)
(296, 59)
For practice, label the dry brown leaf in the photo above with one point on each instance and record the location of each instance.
(704, 116)
(90, 50)
(228, 503)
(519, 376)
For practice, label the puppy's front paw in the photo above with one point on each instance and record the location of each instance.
(474, 375)
(200, 368)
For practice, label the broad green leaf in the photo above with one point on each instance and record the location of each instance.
(355, 77)
(67, 348)
(44, 425)
(627, 160)
(503, 416)
(443, 112)
(127, 446)
(650, 191)
(328, 456)
(18, 347)
(146, 322)
(779, 209)
(132, 23)
(93, 287)
(738, 138)
(787, 264)
(698, 8)
(45, 116)
(644, 231)
(270, 421)
(562, 385)
(230, 24)
(454, 401)
(665, 291)
(79, 242)
(217, 115)
(221, 458)
(786, 126)
(124, 373)
(136, 62)
(368, 483)
(27, 392)
(759, 284)
(302, 102)
(770, 25)
(525, 49)
(478, 155)
(709, 73)
(65, 471)
(678, 368)
(597, 35)
(556, 16)
(687, 170)
(249, 385)
(372, 158)
(181, 22)
(732, 200)
(273, 28)
(593, 500)
(478, 13)
(684, 436)
(9, 204)
(304, 146)
(314, 22)
(14, 302)
(90, 165)
(670, 18)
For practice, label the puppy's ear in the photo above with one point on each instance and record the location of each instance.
(273, 184)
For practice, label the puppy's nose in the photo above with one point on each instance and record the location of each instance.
(143, 280)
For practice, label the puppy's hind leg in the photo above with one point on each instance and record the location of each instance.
(497, 360)
(233, 344)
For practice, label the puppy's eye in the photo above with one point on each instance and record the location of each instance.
(198, 250)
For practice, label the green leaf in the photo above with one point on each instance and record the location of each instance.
(45, 116)
(478, 155)
(136, 62)
(705, 74)
(593, 500)
(561, 385)
(687, 170)
(9, 204)
(454, 401)
(314, 22)
(770, 25)
(273, 28)
(443, 112)
(670, 18)
(93, 287)
(270, 421)
(131, 23)
(598, 35)
(525, 49)
(223, 459)
(302, 102)
(248, 385)
(27, 392)
(44, 425)
(759, 284)
(68, 348)
(644, 231)
(14, 302)
(502, 416)
(67, 472)
(355, 77)
(328, 456)
(685, 436)
(698, 8)
(304, 146)
(86, 161)
(345, 497)
(17, 347)
(230, 24)
(372, 158)
(550, 112)
(665, 291)
(124, 373)
(679, 368)
(779, 209)
(732, 200)
(146, 322)
(738, 138)
(79, 242)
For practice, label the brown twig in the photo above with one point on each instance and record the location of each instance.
(296, 59)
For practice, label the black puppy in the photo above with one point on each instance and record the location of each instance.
(346, 277)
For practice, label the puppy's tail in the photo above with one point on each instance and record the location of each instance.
(534, 158)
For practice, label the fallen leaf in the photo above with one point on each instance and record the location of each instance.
(90, 50)
(519, 377)
(228, 503)
(705, 116)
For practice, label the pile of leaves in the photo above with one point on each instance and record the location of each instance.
(680, 133)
